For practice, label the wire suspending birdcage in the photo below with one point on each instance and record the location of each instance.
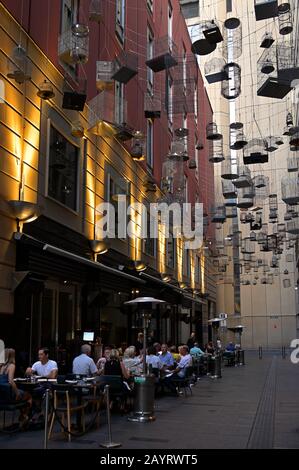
(232, 45)
(229, 168)
(214, 70)
(290, 189)
(231, 87)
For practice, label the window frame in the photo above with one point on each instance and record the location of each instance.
(150, 144)
(119, 109)
(120, 19)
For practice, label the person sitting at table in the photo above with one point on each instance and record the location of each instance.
(139, 343)
(84, 364)
(180, 371)
(210, 348)
(196, 352)
(102, 361)
(115, 366)
(152, 360)
(230, 347)
(174, 353)
(157, 347)
(132, 363)
(166, 357)
(7, 375)
(44, 367)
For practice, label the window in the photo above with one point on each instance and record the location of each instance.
(150, 144)
(149, 244)
(197, 270)
(190, 8)
(150, 5)
(186, 263)
(186, 188)
(69, 14)
(119, 103)
(170, 250)
(195, 103)
(115, 186)
(169, 98)
(170, 21)
(63, 169)
(229, 6)
(120, 19)
(185, 71)
(150, 55)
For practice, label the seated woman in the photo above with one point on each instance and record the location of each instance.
(210, 348)
(7, 375)
(132, 363)
(115, 366)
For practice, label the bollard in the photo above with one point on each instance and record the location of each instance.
(46, 420)
(109, 444)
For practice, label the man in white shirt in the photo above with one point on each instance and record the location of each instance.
(180, 371)
(152, 359)
(83, 364)
(45, 367)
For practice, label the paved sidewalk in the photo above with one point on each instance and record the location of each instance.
(256, 406)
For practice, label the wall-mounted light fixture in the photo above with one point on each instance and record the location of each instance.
(24, 212)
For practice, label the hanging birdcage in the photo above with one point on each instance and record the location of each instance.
(265, 9)
(230, 202)
(229, 168)
(239, 141)
(293, 163)
(214, 70)
(236, 125)
(228, 190)
(244, 178)
(248, 246)
(74, 98)
(267, 41)
(255, 152)
(216, 151)
(19, 65)
(285, 22)
(101, 113)
(294, 142)
(243, 201)
(96, 11)
(200, 44)
(286, 283)
(73, 45)
(252, 236)
(271, 145)
(232, 45)
(290, 189)
(138, 147)
(199, 145)
(212, 32)
(152, 106)
(192, 164)
(283, 6)
(218, 214)
(173, 181)
(212, 132)
(104, 73)
(125, 67)
(247, 192)
(256, 223)
(260, 181)
(269, 84)
(292, 226)
(231, 87)
(179, 149)
(232, 212)
(287, 65)
(165, 54)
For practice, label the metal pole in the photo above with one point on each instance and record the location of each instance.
(144, 341)
(46, 420)
(109, 444)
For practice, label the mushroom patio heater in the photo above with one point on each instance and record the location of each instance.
(145, 383)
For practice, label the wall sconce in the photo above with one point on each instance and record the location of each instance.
(183, 285)
(24, 212)
(138, 266)
(77, 130)
(99, 247)
(166, 277)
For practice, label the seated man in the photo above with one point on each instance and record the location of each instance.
(196, 352)
(45, 367)
(166, 357)
(230, 347)
(152, 360)
(180, 371)
(83, 364)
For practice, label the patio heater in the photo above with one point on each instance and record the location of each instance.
(145, 383)
(216, 360)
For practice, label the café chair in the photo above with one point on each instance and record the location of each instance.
(9, 404)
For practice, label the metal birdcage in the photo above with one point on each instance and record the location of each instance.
(200, 44)
(247, 192)
(238, 141)
(19, 65)
(179, 149)
(292, 226)
(269, 84)
(216, 151)
(294, 142)
(152, 106)
(255, 152)
(267, 40)
(218, 214)
(232, 45)
(74, 98)
(285, 22)
(287, 63)
(125, 67)
(229, 168)
(232, 212)
(138, 146)
(283, 6)
(265, 9)
(96, 11)
(244, 202)
(165, 54)
(271, 144)
(256, 223)
(231, 87)
(244, 178)
(73, 45)
(101, 113)
(228, 190)
(104, 74)
(214, 70)
(212, 132)
(248, 246)
(260, 181)
(293, 163)
(290, 189)
(173, 181)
